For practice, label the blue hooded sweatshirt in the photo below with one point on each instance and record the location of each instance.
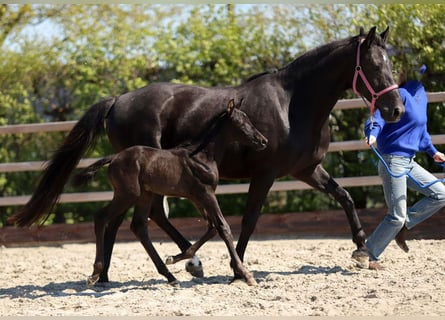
(409, 135)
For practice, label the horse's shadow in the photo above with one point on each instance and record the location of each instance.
(263, 276)
(304, 270)
(80, 288)
(311, 269)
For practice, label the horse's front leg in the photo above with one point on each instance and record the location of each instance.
(321, 180)
(157, 214)
(258, 189)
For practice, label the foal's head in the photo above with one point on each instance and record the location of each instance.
(232, 125)
(238, 127)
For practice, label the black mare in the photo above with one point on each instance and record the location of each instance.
(190, 171)
(290, 107)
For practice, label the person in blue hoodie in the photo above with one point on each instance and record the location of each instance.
(398, 143)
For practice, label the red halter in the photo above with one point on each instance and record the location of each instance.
(359, 72)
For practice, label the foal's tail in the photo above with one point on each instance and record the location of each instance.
(88, 173)
(62, 163)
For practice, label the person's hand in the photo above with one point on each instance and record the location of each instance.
(439, 157)
(371, 140)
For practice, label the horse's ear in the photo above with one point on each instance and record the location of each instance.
(384, 34)
(370, 37)
(362, 31)
(230, 106)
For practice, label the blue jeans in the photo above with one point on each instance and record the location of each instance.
(395, 190)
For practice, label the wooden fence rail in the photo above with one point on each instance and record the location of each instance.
(222, 189)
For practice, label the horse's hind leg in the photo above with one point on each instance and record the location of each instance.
(190, 252)
(157, 214)
(320, 180)
(139, 226)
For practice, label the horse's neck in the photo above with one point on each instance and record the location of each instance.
(321, 76)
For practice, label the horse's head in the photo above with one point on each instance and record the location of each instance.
(241, 128)
(373, 78)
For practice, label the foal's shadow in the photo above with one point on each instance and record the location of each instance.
(76, 288)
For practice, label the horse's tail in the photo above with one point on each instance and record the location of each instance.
(62, 163)
(88, 173)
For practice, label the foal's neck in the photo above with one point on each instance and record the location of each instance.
(206, 139)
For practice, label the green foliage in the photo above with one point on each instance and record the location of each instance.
(103, 50)
(214, 46)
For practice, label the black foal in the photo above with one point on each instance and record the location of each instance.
(189, 171)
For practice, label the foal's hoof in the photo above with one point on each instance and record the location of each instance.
(251, 281)
(170, 260)
(361, 257)
(92, 280)
(194, 267)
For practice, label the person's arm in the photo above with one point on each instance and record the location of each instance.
(439, 157)
(373, 127)
(427, 146)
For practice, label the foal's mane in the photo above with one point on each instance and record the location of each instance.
(210, 133)
(206, 135)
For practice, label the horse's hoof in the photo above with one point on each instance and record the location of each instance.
(92, 280)
(175, 283)
(170, 260)
(361, 257)
(194, 267)
(402, 245)
(401, 239)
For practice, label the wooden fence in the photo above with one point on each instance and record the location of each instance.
(222, 189)
(307, 223)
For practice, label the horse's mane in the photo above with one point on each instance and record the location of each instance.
(253, 77)
(307, 60)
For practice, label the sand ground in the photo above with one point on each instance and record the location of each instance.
(296, 277)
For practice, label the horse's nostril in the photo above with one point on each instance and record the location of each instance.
(397, 112)
(264, 142)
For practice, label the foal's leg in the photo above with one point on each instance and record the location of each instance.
(209, 202)
(157, 214)
(139, 226)
(116, 208)
(190, 252)
(320, 180)
(109, 240)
